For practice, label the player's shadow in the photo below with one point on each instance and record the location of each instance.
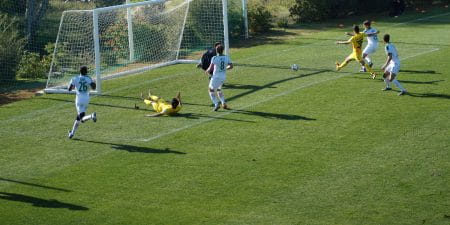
(40, 202)
(430, 95)
(242, 86)
(34, 185)
(268, 115)
(420, 71)
(133, 149)
(96, 104)
(433, 82)
(199, 116)
(271, 84)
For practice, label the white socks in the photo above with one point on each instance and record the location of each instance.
(86, 118)
(221, 97)
(398, 85)
(369, 61)
(213, 97)
(75, 126)
(388, 83)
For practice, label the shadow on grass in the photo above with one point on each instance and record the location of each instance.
(34, 185)
(271, 84)
(97, 104)
(420, 71)
(40, 202)
(198, 116)
(433, 82)
(132, 148)
(430, 95)
(268, 115)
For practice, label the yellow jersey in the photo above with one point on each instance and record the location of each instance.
(159, 105)
(357, 41)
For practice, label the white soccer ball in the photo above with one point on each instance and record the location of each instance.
(294, 67)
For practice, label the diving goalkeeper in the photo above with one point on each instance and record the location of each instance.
(161, 106)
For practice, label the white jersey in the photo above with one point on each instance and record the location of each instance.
(220, 66)
(82, 85)
(390, 48)
(373, 39)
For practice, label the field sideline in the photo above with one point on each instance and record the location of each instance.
(308, 147)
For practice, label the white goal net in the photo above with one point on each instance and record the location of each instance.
(126, 39)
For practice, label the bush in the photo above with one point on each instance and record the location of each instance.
(260, 19)
(33, 66)
(11, 47)
(316, 10)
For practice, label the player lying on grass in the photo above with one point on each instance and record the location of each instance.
(219, 66)
(356, 40)
(392, 66)
(82, 83)
(161, 106)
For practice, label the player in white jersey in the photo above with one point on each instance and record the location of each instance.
(392, 66)
(219, 66)
(82, 83)
(372, 43)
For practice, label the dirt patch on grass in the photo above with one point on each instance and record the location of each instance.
(6, 98)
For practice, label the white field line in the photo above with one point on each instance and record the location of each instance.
(32, 114)
(264, 101)
(422, 19)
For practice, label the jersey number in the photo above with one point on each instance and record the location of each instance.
(83, 87)
(222, 65)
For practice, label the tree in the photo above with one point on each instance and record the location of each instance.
(35, 11)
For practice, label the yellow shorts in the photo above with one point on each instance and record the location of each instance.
(156, 103)
(356, 55)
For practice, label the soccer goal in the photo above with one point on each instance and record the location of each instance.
(127, 39)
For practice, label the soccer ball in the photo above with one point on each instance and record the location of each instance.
(294, 67)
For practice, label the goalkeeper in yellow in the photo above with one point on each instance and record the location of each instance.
(356, 40)
(161, 106)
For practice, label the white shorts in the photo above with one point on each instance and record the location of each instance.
(81, 102)
(370, 49)
(216, 83)
(393, 68)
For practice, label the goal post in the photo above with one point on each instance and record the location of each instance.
(131, 38)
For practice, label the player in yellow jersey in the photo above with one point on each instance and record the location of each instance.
(356, 40)
(161, 106)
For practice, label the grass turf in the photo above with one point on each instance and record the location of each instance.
(306, 147)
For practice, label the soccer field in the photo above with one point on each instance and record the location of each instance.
(313, 146)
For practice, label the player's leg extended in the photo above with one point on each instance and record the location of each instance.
(76, 124)
(92, 116)
(359, 58)
(349, 58)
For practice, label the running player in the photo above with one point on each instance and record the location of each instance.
(161, 106)
(372, 43)
(392, 66)
(219, 66)
(356, 40)
(82, 83)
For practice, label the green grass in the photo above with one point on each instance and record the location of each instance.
(306, 147)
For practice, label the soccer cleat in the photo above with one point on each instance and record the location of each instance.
(370, 64)
(337, 66)
(374, 75)
(70, 134)
(225, 106)
(363, 69)
(216, 107)
(94, 117)
(403, 92)
(386, 89)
